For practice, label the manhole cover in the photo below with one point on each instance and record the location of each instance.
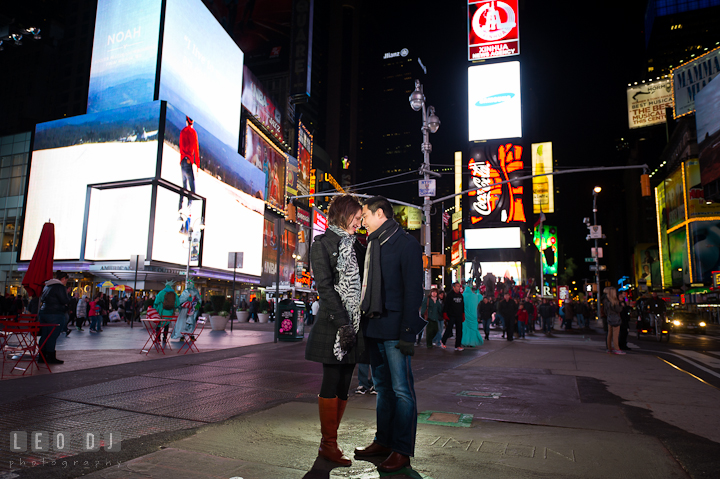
(444, 417)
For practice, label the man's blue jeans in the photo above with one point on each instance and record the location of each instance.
(580, 320)
(547, 324)
(396, 403)
(364, 379)
(499, 320)
(47, 338)
(486, 326)
(188, 181)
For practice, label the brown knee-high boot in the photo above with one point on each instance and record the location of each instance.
(329, 421)
(342, 403)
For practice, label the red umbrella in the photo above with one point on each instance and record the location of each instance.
(40, 268)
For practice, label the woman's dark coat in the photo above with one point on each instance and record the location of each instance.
(332, 314)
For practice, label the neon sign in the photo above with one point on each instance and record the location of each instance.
(494, 201)
(544, 240)
(493, 30)
(311, 200)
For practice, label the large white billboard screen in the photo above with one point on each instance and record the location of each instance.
(494, 104)
(492, 238)
(202, 69)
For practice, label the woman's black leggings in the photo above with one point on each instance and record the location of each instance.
(336, 380)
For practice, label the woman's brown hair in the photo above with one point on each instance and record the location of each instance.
(342, 209)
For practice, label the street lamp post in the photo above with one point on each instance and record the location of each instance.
(190, 233)
(596, 190)
(430, 124)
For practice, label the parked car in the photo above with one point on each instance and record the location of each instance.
(687, 322)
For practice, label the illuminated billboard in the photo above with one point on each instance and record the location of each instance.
(690, 78)
(647, 102)
(493, 238)
(707, 118)
(543, 189)
(271, 160)
(493, 30)
(304, 158)
(457, 252)
(201, 67)
(494, 106)
(546, 243)
(83, 153)
(494, 201)
(231, 187)
(125, 52)
(258, 102)
(73, 153)
(408, 218)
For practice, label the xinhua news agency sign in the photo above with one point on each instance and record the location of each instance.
(692, 77)
(493, 30)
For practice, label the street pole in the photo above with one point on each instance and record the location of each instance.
(442, 248)
(430, 124)
(426, 149)
(597, 258)
(233, 314)
(279, 226)
(132, 317)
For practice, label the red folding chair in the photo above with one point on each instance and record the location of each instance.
(189, 339)
(20, 344)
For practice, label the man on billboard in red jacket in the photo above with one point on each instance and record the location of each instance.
(189, 156)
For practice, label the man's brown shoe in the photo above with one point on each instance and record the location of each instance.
(373, 449)
(394, 462)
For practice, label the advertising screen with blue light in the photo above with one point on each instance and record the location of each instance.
(494, 103)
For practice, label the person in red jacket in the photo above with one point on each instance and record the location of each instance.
(189, 157)
(522, 318)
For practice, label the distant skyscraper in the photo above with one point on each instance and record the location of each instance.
(677, 31)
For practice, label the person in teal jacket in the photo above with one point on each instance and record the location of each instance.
(434, 309)
(471, 336)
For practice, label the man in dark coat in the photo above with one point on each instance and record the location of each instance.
(392, 293)
(454, 314)
(507, 308)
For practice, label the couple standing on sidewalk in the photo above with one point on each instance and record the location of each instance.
(369, 302)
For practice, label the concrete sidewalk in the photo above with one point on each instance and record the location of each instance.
(539, 407)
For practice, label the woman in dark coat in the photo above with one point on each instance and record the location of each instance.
(336, 338)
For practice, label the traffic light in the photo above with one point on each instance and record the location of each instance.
(645, 185)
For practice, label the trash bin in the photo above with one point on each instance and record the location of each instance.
(291, 326)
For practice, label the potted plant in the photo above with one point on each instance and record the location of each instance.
(264, 311)
(243, 314)
(218, 320)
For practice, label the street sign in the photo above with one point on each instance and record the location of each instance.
(602, 267)
(426, 188)
(235, 260)
(589, 260)
(595, 232)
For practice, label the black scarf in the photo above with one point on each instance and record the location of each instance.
(371, 302)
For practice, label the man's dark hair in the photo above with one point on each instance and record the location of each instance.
(60, 275)
(380, 203)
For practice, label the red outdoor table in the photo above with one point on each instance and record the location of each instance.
(154, 329)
